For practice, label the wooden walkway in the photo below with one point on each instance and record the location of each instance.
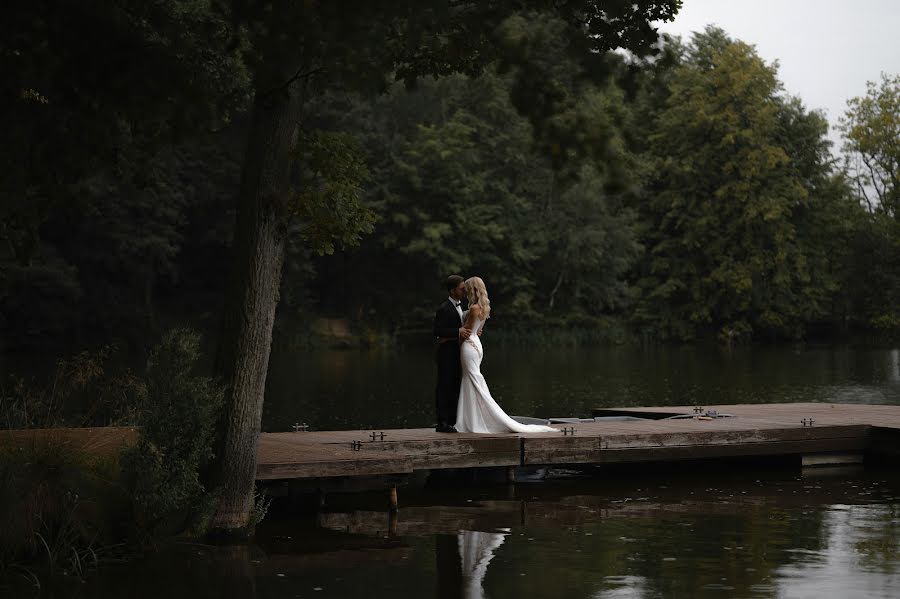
(805, 429)
(750, 430)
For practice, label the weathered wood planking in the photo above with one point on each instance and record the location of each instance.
(420, 450)
(754, 430)
(715, 441)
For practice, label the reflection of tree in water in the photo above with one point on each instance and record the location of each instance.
(739, 552)
(877, 540)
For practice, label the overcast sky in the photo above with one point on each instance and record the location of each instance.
(826, 49)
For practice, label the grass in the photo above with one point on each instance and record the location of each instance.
(61, 511)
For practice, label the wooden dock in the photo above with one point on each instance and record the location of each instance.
(797, 429)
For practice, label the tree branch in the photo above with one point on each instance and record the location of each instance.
(300, 74)
(874, 177)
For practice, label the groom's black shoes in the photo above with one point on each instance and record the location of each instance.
(445, 428)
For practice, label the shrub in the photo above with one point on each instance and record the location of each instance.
(177, 414)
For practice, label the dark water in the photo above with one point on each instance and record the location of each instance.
(394, 389)
(745, 532)
(682, 532)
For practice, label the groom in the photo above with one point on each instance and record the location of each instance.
(449, 331)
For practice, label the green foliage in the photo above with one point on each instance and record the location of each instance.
(684, 193)
(96, 104)
(871, 128)
(177, 422)
(328, 205)
(460, 185)
(731, 188)
(76, 106)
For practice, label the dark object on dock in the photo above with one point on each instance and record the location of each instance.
(708, 415)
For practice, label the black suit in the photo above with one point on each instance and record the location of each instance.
(449, 371)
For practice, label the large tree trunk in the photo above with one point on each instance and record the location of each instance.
(258, 255)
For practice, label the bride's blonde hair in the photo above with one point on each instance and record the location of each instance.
(477, 294)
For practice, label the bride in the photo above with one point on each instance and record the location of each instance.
(477, 412)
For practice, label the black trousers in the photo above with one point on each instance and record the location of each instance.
(449, 377)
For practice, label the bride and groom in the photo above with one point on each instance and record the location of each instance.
(463, 400)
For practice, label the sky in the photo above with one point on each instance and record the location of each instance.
(826, 49)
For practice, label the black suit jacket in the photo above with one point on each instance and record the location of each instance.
(447, 321)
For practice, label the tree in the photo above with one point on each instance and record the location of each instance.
(95, 103)
(871, 128)
(729, 192)
(303, 49)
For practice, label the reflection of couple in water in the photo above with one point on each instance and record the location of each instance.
(463, 400)
(462, 562)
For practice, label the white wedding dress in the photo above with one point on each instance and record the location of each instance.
(477, 412)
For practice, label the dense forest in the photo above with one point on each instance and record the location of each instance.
(677, 197)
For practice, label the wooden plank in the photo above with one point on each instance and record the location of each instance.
(469, 451)
(565, 450)
(333, 468)
(699, 452)
(733, 437)
(458, 445)
(581, 450)
(470, 460)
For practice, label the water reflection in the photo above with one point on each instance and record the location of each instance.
(746, 535)
(893, 368)
(740, 533)
(859, 560)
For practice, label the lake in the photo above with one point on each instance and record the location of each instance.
(332, 390)
(686, 531)
(732, 532)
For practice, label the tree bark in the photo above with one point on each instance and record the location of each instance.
(252, 297)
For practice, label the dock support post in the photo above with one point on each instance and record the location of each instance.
(394, 504)
(392, 523)
(511, 474)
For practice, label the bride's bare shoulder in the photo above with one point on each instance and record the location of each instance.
(476, 310)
